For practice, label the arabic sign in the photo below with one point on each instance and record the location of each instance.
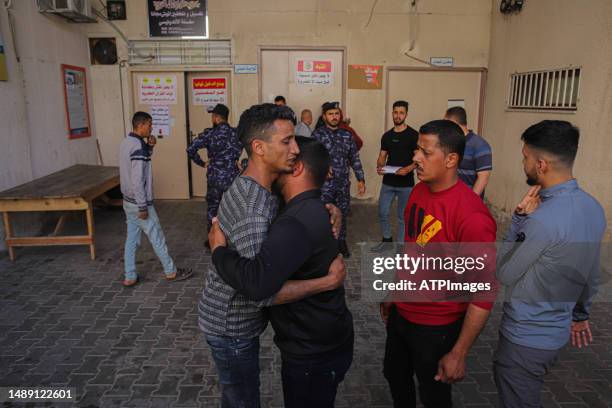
(312, 72)
(177, 18)
(365, 77)
(245, 68)
(161, 121)
(157, 90)
(75, 98)
(209, 91)
(441, 61)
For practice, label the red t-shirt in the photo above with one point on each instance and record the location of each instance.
(456, 214)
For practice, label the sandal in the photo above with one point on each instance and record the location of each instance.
(180, 275)
(130, 282)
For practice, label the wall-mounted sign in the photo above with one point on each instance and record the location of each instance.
(157, 90)
(441, 61)
(312, 72)
(245, 68)
(74, 82)
(3, 70)
(161, 121)
(456, 102)
(177, 18)
(365, 76)
(209, 91)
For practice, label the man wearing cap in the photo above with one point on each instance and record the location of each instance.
(343, 152)
(224, 148)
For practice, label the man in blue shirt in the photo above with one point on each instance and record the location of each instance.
(549, 265)
(477, 163)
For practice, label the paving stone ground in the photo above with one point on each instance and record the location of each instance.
(66, 321)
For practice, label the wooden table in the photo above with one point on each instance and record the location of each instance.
(70, 189)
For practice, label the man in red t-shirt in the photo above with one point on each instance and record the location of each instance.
(432, 339)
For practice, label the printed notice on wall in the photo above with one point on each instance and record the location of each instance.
(313, 72)
(161, 121)
(157, 90)
(177, 18)
(365, 76)
(209, 91)
(3, 70)
(75, 96)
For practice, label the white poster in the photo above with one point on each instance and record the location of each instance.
(157, 90)
(313, 72)
(161, 121)
(209, 91)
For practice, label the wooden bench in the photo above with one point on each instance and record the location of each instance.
(70, 189)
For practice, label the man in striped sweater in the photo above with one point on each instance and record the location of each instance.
(137, 189)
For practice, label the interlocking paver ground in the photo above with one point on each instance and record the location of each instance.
(67, 321)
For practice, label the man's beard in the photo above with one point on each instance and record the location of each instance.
(532, 181)
(398, 123)
(332, 124)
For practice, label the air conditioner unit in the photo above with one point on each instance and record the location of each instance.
(77, 11)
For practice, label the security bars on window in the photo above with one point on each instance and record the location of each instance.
(180, 52)
(555, 90)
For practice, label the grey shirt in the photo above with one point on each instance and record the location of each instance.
(245, 214)
(302, 129)
(550, 266)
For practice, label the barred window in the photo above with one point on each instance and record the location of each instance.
(555, 90)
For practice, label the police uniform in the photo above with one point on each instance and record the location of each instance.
(343, 153)
(224, 148)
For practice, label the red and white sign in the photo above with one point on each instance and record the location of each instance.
(314, 72)
(209, 91)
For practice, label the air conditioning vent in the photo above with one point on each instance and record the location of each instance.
(77, 11)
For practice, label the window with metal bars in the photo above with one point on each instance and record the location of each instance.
(555, 90)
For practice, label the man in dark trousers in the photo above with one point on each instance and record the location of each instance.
(224, 148)
(343, 154)
(315, 334)
(431, 339)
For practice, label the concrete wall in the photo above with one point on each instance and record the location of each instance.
(34, 138)
(549, 34)
(438, 28)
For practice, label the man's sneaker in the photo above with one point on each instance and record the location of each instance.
(180, 275)
(386, 245)
(344, 249)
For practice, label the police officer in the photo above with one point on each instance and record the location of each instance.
(224, 148)
(343, 152)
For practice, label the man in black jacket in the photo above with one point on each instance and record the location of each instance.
(315, 334)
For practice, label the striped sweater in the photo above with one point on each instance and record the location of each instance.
(135, 171)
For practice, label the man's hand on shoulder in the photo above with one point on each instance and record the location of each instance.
(215, 236)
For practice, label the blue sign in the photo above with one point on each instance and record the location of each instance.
(245, 68)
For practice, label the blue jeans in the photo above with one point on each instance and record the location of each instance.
(387, 194)
(152, 228)
(237, 362)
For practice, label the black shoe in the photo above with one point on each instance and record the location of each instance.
(207, 244)
(344, 249)
(385, 245)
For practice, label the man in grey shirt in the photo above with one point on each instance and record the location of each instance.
(549, 265)
(231, 322)
(303, 127)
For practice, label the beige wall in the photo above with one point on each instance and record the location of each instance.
(552, 34)
(440, 28)
(34, 139)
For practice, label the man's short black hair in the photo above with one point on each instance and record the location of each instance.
(400, 104)
(257, 122)
(557, 137)
(140, 118)
(457, 113)
(450, 136)
(280, 98)
(315, 157)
